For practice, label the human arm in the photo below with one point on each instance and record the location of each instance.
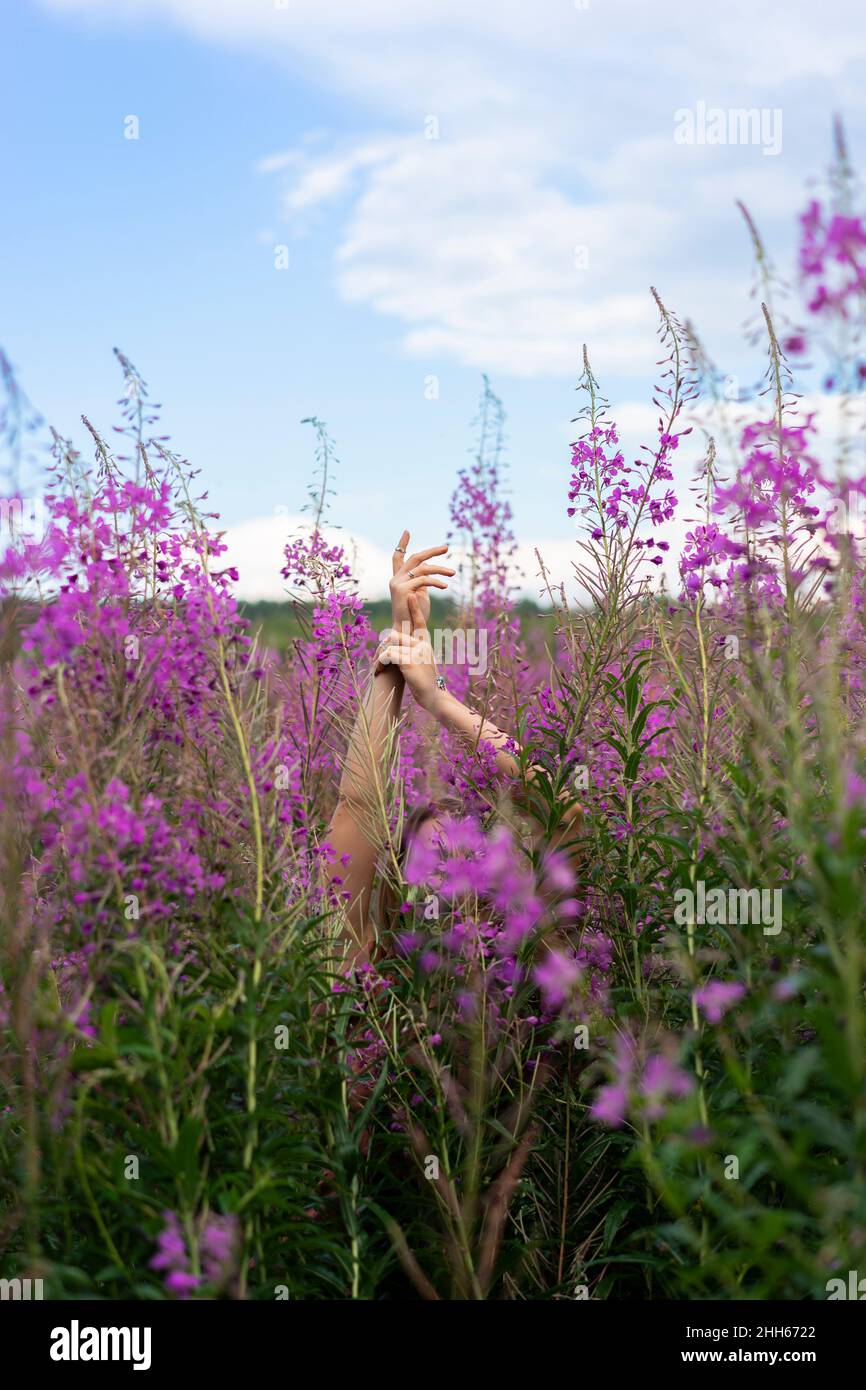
(412, 654)
(358, 825)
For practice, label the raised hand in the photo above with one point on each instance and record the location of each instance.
(412, 575)
(410, 649)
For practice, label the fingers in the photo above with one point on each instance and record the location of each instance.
(423, 582)
(405, 649)
(398, 559)
(394, 640)
(420, 556)
(415, 615)
(418, 581)
(397, 654)
(414, 571)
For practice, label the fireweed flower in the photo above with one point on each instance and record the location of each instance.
(172, 1258)
(855, 790)
(643, 1084)
(716, 998)
(610, 1106)
(612, 496)
(469, 864)
(491, 908)
(778, 469)
(556, 976)
(662, 1080)
(218, 1245)
(832, 261)
(612, 1101)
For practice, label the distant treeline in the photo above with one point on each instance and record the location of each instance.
(280, 621)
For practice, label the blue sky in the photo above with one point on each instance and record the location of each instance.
(554, 194)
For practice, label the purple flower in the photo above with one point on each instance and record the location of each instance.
(218, 1245)
(662, 1080)
(556, 977)
(173, 1257)
(610, 1106)
(171, 1245)
(181, 1283)
(717, 997)
(855, 789)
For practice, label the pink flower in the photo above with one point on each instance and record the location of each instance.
(556, 976)
(611, 1105)
(662, 1080)
(180, 1283)
(717, 997)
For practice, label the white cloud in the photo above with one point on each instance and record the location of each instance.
(556, 133)
(492, 264)
(391, 43)
(255, 547)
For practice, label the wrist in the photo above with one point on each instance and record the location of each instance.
(437, 701)
(393, 673)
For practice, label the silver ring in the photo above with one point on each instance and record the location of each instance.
(411, 574)
(399, 550)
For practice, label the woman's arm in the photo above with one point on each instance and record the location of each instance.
(413, 654)
(351, 832)
(471, 727)
(357, 828)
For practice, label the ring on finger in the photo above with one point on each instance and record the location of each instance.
(411, 574)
